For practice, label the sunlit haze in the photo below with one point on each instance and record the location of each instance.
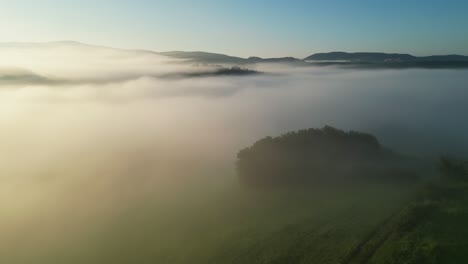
(264, 146)
(245, 28)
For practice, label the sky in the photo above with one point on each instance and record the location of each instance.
(244, 27)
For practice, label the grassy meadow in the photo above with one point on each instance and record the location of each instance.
(224, 224)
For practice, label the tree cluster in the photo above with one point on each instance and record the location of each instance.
(315, 155)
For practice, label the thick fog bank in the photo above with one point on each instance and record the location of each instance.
(86, 135)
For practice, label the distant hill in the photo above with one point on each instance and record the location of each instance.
(204, 57)
(359, 56)
(443, 58)
(273, 60)
(18, 76)
(361, 60)
(216, 58)
(382, 57)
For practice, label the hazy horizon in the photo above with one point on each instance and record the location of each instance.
(214, 52)
(245, 28)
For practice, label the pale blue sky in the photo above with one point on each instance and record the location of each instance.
(243, 27)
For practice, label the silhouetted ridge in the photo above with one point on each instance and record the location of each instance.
(204, 57)
(358, 60)
(382, 57)
(210, 58)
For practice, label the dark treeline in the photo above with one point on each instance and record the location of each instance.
(453, 168)
(215, 71)
(326, 155)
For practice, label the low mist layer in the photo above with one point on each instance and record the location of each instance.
(88, 132)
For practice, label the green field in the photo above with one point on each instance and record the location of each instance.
(432, 229)
(226, 225)
(368, 223)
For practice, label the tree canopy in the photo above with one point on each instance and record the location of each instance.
(315, 155)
